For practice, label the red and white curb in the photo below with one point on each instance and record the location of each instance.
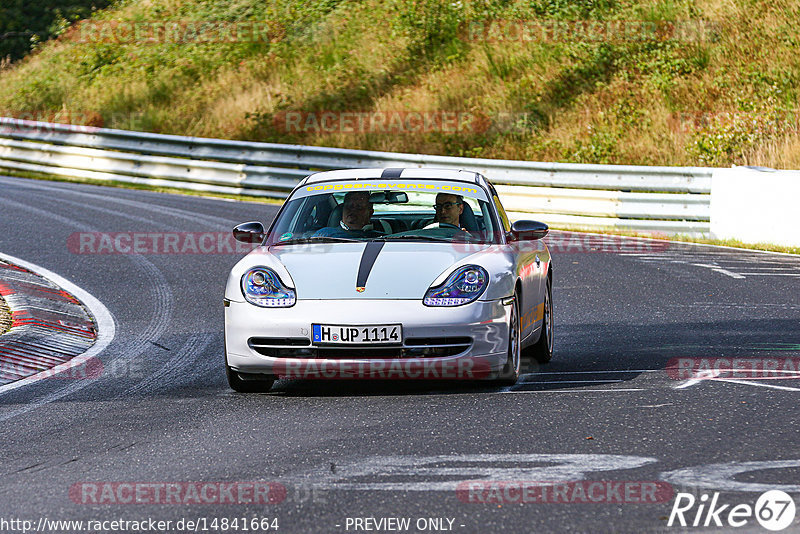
(56, 326)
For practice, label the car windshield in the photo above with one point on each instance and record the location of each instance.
(364, 210)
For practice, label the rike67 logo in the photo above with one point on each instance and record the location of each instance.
(774, 510)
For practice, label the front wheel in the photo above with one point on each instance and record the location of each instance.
(248, 383)
(542, 350)
(510, 373)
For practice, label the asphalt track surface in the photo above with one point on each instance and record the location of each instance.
(162, 411)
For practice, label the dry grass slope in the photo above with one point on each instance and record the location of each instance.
(727, 94)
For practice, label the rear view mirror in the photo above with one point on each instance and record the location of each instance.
(388, 197)
(528, 230)
(249, 232)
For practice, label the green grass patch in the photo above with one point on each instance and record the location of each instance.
(720, 89)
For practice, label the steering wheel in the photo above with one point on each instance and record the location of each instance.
(435, 224)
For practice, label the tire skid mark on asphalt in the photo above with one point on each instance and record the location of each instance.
(162, 302)
(174, 367)
(194, 217)
(117, 213)
(163, 293)
(156, 329)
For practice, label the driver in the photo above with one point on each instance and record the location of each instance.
(356, 213)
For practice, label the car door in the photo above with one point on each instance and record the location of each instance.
(531, 261)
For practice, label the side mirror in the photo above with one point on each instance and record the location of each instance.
(528, 230)
(249, 232)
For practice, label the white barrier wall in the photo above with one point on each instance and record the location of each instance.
(756, 206)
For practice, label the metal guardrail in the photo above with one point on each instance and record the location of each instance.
(662, 199)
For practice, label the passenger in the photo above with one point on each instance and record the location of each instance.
(448, 211)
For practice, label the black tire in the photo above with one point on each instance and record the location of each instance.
(510, 373)
(248, 383)
(542, 350)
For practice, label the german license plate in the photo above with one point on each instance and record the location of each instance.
(382, 334)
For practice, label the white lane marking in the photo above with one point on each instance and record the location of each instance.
(759, 384)
(771, 268)
(720, 249)
(718, 269)
(741, 306)
(729, 273)
(595, 372)
(106, 328)
(771, 274)
(447, 472)
(572, 381)
(703, 375)
(614, 390)
(720, 477)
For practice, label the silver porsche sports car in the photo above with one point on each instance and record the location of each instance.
(389, 273)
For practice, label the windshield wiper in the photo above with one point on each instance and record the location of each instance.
(318, 239)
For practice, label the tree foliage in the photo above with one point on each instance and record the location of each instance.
(26, 23)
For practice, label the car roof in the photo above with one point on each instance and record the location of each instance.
(395, 173)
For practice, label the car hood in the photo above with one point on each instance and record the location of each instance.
(401, 270)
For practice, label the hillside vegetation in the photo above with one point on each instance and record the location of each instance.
(25, 24)
(722, 92)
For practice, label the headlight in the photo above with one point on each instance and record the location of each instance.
(262, 287)
(464, 285)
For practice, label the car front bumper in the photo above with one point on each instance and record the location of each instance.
(483, 323)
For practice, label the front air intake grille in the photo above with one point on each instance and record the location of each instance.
(279, 341)
(427, 347)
